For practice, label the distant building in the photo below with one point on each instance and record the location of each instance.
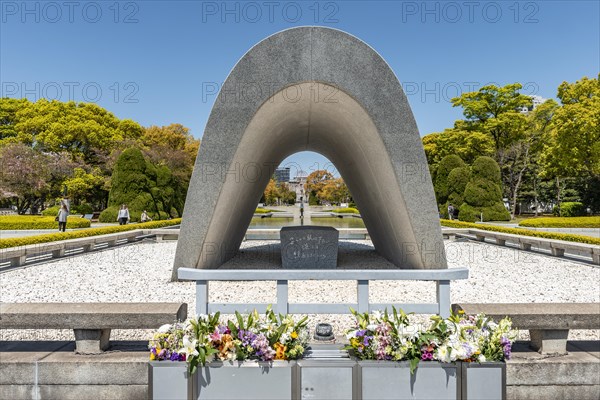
(282, 174)
(537, 100)
(297, 184)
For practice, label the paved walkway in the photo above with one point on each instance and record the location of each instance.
(6, 234)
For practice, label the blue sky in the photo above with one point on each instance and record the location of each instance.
(154, 61)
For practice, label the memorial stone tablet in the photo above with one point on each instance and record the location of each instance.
(309, 247)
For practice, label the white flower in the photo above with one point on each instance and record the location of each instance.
(351, 334)
(410, 331)
(377, 315)
(284, 338)
(442, 354)
(189, 347)
(372, 327)
(481, 358)
(165, 328)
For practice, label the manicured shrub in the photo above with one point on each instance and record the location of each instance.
(570, 209)
(483, 195)
(347, 210)
(53, 237)
(83, 208)
(525, 232)
(562, 222)
(486, 168)
(25, 222)
(457, 183)
(440, 185)
(51, 211)
(260, 210)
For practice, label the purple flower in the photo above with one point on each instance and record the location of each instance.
(224, 330)
(246, 337)
(506, 347)
(263, 350)
(175, 357)
(427, 356)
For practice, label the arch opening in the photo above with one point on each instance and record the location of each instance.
(369, 135)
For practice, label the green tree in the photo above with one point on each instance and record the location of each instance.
(82, 129)
(82, 183)
(458, 179)
(573, 148)
(468, 145)
(494, 110)
(129, 183)
(440, 185)
(483, 195)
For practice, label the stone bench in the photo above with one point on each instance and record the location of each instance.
(17, 256)
(557, 247)
(91, 322)
(452, 233)
(163, 234)
(548, 323)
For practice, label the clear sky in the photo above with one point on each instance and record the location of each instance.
(157, 62)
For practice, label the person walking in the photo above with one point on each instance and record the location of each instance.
(63, 213)
(451, 211)
(123, 216)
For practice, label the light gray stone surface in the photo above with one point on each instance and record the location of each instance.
(540, 315)
(90, 315)
(319, 89)
(569, 392)
(309, 247)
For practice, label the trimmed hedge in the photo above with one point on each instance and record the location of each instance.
(569, 209)
(26, 222)
(562, 222)
(82, 209)
(524, 232)
(53, 237)
(261, 210)
(347, 210)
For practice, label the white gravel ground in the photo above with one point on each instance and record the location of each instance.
(141, 273)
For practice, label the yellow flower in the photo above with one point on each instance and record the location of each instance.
(461, 311)
(294, 335)
(152, 356)
(280, 351)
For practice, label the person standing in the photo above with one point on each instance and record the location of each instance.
(123, 216)
(63, 213)
(451, 211)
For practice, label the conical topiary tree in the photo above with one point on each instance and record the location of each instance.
(440, 184)
(483, 193)
(457, 183)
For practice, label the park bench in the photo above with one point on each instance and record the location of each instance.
(91, 322)
(548, 323)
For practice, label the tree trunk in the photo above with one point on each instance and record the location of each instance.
(535, 196)
(558, 195)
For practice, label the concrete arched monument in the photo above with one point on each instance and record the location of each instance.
(322, 90)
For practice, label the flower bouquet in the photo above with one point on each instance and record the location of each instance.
(252, 337)
(472, 338)
(384, 336)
